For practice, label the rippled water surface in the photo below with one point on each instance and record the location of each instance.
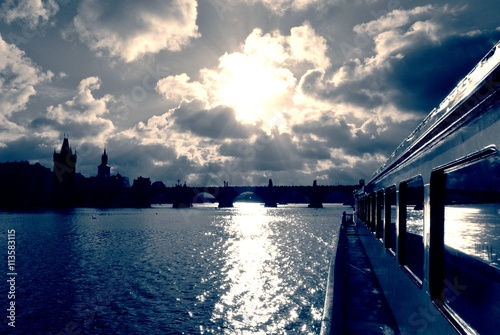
(203, 270)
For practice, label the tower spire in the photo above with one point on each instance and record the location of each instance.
(103, 170)
(64, 174)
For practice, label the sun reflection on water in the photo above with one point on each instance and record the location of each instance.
(474, 230)
(271, 266)
(252, 289)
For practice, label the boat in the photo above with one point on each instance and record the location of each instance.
(419, 254)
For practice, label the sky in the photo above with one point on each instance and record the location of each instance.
(224, 90)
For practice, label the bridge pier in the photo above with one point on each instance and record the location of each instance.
(315, 204)
(225, 203)
(270, 204)
(226, 196)
(183, 197)
(269, 195)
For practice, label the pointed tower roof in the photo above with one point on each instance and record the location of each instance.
(104, 157)
(65, 148)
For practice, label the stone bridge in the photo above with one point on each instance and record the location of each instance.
(183, 196)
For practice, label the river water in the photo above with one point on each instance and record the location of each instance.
(203, 270)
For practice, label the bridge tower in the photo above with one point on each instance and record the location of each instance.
(269, 195)
(63, 192)
(315, 197)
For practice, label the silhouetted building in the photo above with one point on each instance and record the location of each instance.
(23, 185)
(104, 190)
(141, 192)
(64, 175)
(104, 170)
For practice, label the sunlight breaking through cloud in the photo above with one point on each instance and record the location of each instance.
(239, 91)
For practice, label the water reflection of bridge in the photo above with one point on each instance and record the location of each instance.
(183, 196)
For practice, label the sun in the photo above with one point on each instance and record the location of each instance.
(256, 90)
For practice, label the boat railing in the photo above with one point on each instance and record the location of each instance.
(347, 218)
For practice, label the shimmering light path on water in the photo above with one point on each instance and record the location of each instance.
(204, 270)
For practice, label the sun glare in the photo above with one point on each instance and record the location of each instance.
(254, 89)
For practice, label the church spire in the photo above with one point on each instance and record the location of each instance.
(103, 170)
(104, 157)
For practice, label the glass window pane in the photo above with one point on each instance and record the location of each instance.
(373, 214)
(472, 242)
(414, 228)
(380, 215)
(390, 231)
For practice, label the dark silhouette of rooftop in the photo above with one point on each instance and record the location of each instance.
(24, 185)
(63, 192)
(104, 170)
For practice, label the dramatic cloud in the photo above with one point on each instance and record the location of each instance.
(84, 115)
(131, 29)
(404, 50)
(32, 13)
(9, 131)
(179, 87)
(18, 78)
(258, 82)
(281, 6)
(401, 30)
(230, 91)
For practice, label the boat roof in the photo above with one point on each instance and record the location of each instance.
(463, 90)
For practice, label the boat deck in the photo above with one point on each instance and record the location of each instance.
(365, 308)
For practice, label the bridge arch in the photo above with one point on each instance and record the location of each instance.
(203, 197)
(184, 196)
(293, 197)
(337, 197)
(248, 196)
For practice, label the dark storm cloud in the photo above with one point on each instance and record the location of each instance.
(219, 122)
(365, 92)
(428, 72)
(157, 161)
(348, 174)
(32, 149)
(336, 133)
(368, 139)
(77, 130)
(410, 57)
(313, 150)
(93, 72)
(276, 152)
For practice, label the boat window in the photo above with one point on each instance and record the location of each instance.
(373, 211)
(411, 211)
(367, 210)
(380, 215)
(390, 218)
(361, 209)
(364, 209)
(472, 242)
